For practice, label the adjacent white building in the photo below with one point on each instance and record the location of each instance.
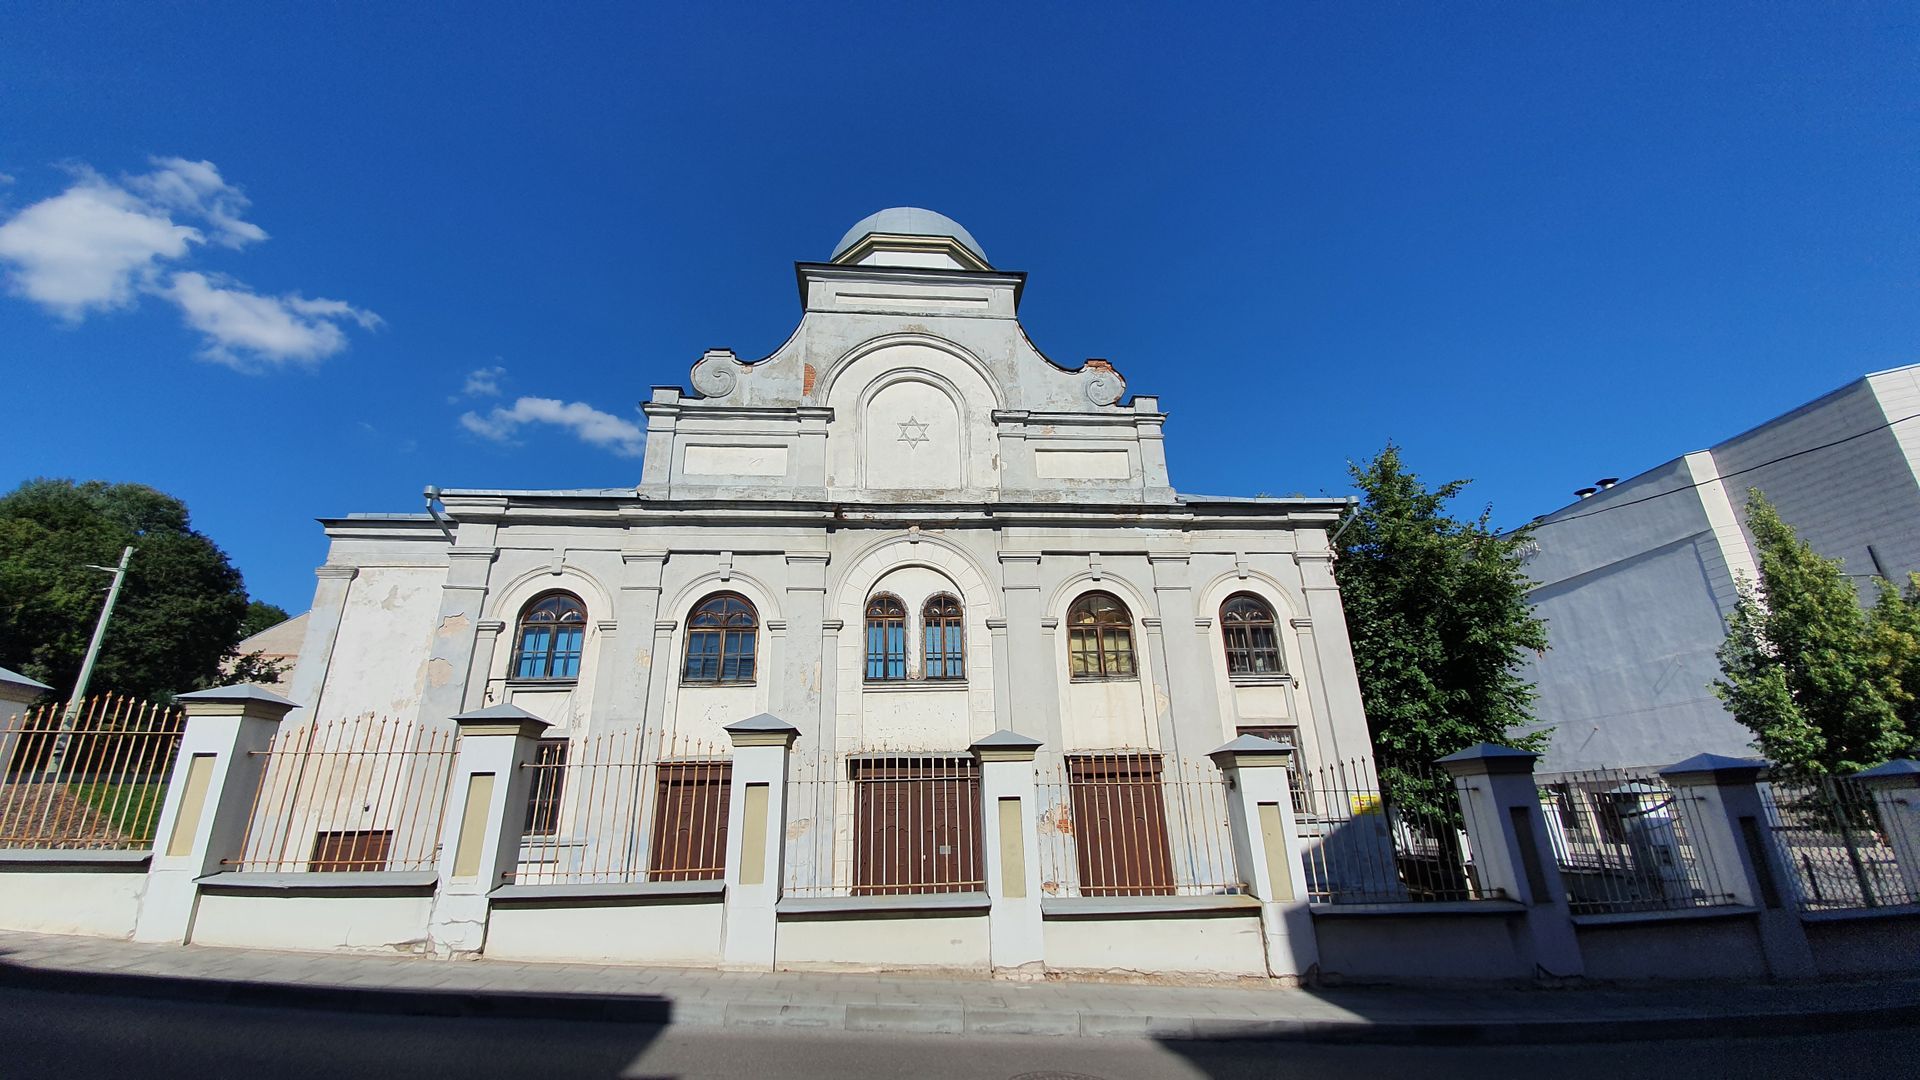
(1637, 578)
(904, 530)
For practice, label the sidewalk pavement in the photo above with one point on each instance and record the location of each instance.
(424, 986)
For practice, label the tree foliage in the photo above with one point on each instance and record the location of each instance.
(261, 616)
(1825, 685)
(180, 609)
(1438, 613)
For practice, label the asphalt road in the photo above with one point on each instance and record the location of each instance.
(69, 1035)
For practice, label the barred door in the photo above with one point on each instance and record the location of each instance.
(916, 826)
(690, 821)
(1120, 825)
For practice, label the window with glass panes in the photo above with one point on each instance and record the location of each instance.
(1252, 637)
(553, 629)
(1100, 638)
(721, 634)
(940, 627)
(886, 639)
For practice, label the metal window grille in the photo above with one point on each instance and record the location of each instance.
(884, 823)
(1100, 638)
(626, 808)
(1285, 735)
(1364, 845)
(1835, 839)
(97, 784)
(547, 783)
(352, 795)
(1252, 637)
(942, 656)
(552, 636)
(1132, 823)
(886, 639)
(721, 636)
(1625, 842)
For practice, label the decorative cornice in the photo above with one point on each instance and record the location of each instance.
(665, 626)
(343, 573)
(1300, 624)
(490, 626)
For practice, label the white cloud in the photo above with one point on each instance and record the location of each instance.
(483, 382)
(99, 245)
(195, 188)
(589, 424)
(246, 330)
(87, 247)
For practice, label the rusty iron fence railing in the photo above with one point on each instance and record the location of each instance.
(1134, 823)
(882, 823)
(95, 785)
(1625, 842)
(623, 807)
(1835, 839)
(357, 795)
(1362, 844)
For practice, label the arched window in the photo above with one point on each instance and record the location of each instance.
(1253, 643)
(1100, 638)
(720, 640)
(552, 630)
(886, 638)
(942, 658)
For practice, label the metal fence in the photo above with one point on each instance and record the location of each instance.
(1362, 845)
(96, 782)
(1835, 839)
(869, 824)
(1625, 842)
(623, 807)
(364, 794)
(1133, 823)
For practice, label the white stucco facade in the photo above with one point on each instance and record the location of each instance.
(907, 440)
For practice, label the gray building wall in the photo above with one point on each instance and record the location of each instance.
(1636, 582)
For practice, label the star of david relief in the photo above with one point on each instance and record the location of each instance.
(912, 432)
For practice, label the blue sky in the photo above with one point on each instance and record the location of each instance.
(1535, 244)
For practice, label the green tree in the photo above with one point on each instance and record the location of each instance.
(260, 616)
(180, 610)
(1438, 613)
(1816, 677)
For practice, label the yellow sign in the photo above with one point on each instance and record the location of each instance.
(1364, 804)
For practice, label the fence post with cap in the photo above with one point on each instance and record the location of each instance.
(756, 834)
(1895, 787)
(480, 831)
(1267, 850)
(1736, 835)
(210, 794)
(1512, 851)
(1009, 827)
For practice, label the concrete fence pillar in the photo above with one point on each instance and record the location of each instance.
(1733, 837)
(756, 835)
(481, 828)
(1512, 850)
(1895, 787)
(210, 795)
(1009, 829)
(17, 695)
(1267, 848)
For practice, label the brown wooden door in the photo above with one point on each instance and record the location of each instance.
(916, 826)
(1120, 825)
(690, 821)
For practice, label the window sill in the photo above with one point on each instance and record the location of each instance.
(1260, 680)
(1102, 678)
(735, 684)
(542, 684)
(894, 686)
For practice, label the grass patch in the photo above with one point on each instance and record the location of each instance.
(131, 807)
